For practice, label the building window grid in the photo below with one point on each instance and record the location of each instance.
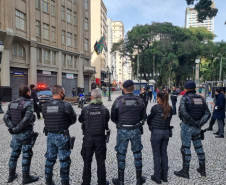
(45, 5)
(74, 1)
(86, 44)
(18, 52)
(63, 37)
(75, 39)
(69, 15)
(20, 20)
(37, 4)
(63, 60)
(53, 8)
(86, 24)
(39, 55)
(46, 57)
(74, 18)
(86, 4)
(38, 29)
(54, 58)
(75, 62)
(45, 31)
(63, 12)
(69, 61)
(53, 34)
(69, 39)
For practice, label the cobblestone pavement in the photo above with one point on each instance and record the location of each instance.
(214, 149)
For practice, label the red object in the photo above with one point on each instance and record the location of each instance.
(42, 86)
(182, 93)
(157, 90)
(98, 81)
(120, 82)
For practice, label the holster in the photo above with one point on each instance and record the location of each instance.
(45, 131)
(203, 134)
(107, 137)
(34, 137)
(141, 129)
(171, 131)
(72, 142)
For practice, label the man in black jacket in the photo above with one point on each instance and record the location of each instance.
(173, 98)
(58, 117)
(144, 96)
(20, 119)
(34, 96)
(127, 112)
(94, 119)
(194, 113)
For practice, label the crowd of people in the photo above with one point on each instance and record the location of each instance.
(128, 112)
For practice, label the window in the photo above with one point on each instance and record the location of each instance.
(86, 24)
(63, 37)
(39, 54)
(74, 1)
(45, 31)
(18, 51)
(45, 5)
(86, 62)
(37, 4)
(63, 12)
(46, 56)
(69, 39)
(74, 18)
(63, 60)
(75, 62)
(69, 61)
(68, 15)
(53, 8)
(86, 44)
(86, 4)
(53, 34)
(20, 20)
(75, 37)
(38, 29)
(54, 58)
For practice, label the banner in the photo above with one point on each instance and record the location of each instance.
(46, 72)
(69, 76)
(15, 73)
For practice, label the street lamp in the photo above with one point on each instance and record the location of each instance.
(1, 50)
(197, 61)
(148, 77)
(109, 85)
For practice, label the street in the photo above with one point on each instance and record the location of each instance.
(214, 149)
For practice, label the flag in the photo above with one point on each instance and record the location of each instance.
(99, 46)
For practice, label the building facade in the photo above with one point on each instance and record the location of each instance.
(46, 42)
(99, 29)
(191, 19)
(118, 34)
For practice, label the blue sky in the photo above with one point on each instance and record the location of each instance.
(132, 12)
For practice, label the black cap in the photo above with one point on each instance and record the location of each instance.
(128, 83)
(190, 85)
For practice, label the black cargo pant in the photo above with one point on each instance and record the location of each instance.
(36, 108)
(159, 143)
(174, 103)
(90, 145)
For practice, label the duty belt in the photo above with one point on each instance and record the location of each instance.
(129, 127)
(65, 132)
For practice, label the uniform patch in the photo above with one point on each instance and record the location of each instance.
(95, 113)
(130, 102)
(52, 109)
(14, 105)
(197, 101)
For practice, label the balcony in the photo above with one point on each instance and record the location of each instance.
(90, 69)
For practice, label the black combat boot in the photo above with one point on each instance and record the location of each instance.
(65, 182)
(156, 180)
(107, 182)
(12, 175)
(184, 172)
(140, 178)
(202, 169)
(164, 178)
(49, 181)
(27, 178)
(209, 129)
(120, 180)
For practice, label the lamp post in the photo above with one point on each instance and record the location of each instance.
(109, 76)
(1, 50)
(140, 76)
(156, 77)
(197, 61)
(148, 77)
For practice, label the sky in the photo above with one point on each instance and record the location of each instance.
(132, 12)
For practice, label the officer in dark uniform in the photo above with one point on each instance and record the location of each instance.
(173, 98)
(20, 119)
(127, 112)
(94, 119)
(58, 117)
(194, 113)
(34, 96)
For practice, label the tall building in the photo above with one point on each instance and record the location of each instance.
(191, 19)
(46, 42)
(99, 29)
(127, 69)
(118, 34)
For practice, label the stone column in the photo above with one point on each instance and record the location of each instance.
(80, 72)
(32, 72)
(59, 73)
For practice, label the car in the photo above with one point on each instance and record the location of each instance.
(44, 95)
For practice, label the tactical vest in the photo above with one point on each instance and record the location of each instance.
(55, 118)
(95, 119)
(196, 106)
(17, 110)
(130, 108)
(158, 121)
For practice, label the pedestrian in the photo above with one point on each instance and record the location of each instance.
(105, 91)
(155, 95)
(173, 97)
(127, 111)
(219, 112)
(94, 119)
(164, 89)
(212, 120)
(73, 92)
(58, 136)
(159, 125)
(194, 113)
(20, 119)
(150, 94)
(144, 96)
(34, 97)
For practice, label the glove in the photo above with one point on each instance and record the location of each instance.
(198, 124)
(10, 131)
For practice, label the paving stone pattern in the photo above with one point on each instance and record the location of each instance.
(215, 150)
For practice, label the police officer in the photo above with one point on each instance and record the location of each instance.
(194, 113)
(20, 119)
(94, 119)
(34, 96)
(58, 116)
(173, 98)
(127, 112)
